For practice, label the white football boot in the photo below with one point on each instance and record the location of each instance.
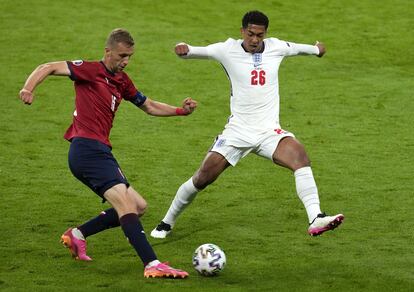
(324, 223)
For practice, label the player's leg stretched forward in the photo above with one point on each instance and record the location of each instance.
(128, 205)
(291, 154)
(211, 168)
(75, 238)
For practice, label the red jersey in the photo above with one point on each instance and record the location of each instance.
(98, 95)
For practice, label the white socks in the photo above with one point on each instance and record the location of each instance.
(305, 187)
(307, 191)
(77, 233)
(153, 263)
(185, 195)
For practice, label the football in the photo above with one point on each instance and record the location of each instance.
(209, 259)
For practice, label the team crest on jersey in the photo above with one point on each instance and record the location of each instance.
(77, 62)
(257, 59)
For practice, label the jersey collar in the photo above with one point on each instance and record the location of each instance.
(261, 51)
(107, 70)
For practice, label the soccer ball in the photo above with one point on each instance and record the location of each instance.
(209, 259)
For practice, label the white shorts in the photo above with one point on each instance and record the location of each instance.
(235, 145)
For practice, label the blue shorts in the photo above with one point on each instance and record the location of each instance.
(92, 163)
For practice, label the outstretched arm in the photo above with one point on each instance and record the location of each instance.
(321, 48)
(294, 49)
(186, 51)
(216, 51)
(38, 75)
(156, 108)
(181, 49)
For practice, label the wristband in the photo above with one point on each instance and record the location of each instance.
(181, 112)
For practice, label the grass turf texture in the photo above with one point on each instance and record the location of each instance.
(351, 109)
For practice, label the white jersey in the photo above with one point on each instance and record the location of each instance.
(254, 101)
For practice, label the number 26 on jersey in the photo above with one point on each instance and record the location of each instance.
(258, 77)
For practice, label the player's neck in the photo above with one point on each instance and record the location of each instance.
(106, 67)
(259, 51)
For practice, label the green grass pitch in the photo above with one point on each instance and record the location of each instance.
(351, 109)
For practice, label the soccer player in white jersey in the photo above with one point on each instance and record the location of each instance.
(252, 65)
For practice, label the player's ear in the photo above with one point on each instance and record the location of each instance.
(107, 51)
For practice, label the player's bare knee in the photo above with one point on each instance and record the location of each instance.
(300, 162)
(137, 200)
(125, 208)
(141, 208)
(126, 203)
(201, 180)
(129, 205)
(198, 183)
(304, 161)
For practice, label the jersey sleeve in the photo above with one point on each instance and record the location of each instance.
(139, 99)
(129, 91)
(132, 94)
(213, 51)
(293, 49)
(82, 71)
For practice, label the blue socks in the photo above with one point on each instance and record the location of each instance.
(107, 219)
(136, 236)
(131, 226)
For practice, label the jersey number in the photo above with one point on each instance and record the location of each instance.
(258, 77)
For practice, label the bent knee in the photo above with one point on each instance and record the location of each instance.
(199, 184)
(201, 180)
(302, 161)
(137, 201)
(142, 207)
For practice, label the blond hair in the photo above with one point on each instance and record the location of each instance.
(119, 35)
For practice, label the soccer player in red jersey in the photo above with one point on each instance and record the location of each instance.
(100, 87)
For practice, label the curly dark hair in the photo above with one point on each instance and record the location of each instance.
(255, 17)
